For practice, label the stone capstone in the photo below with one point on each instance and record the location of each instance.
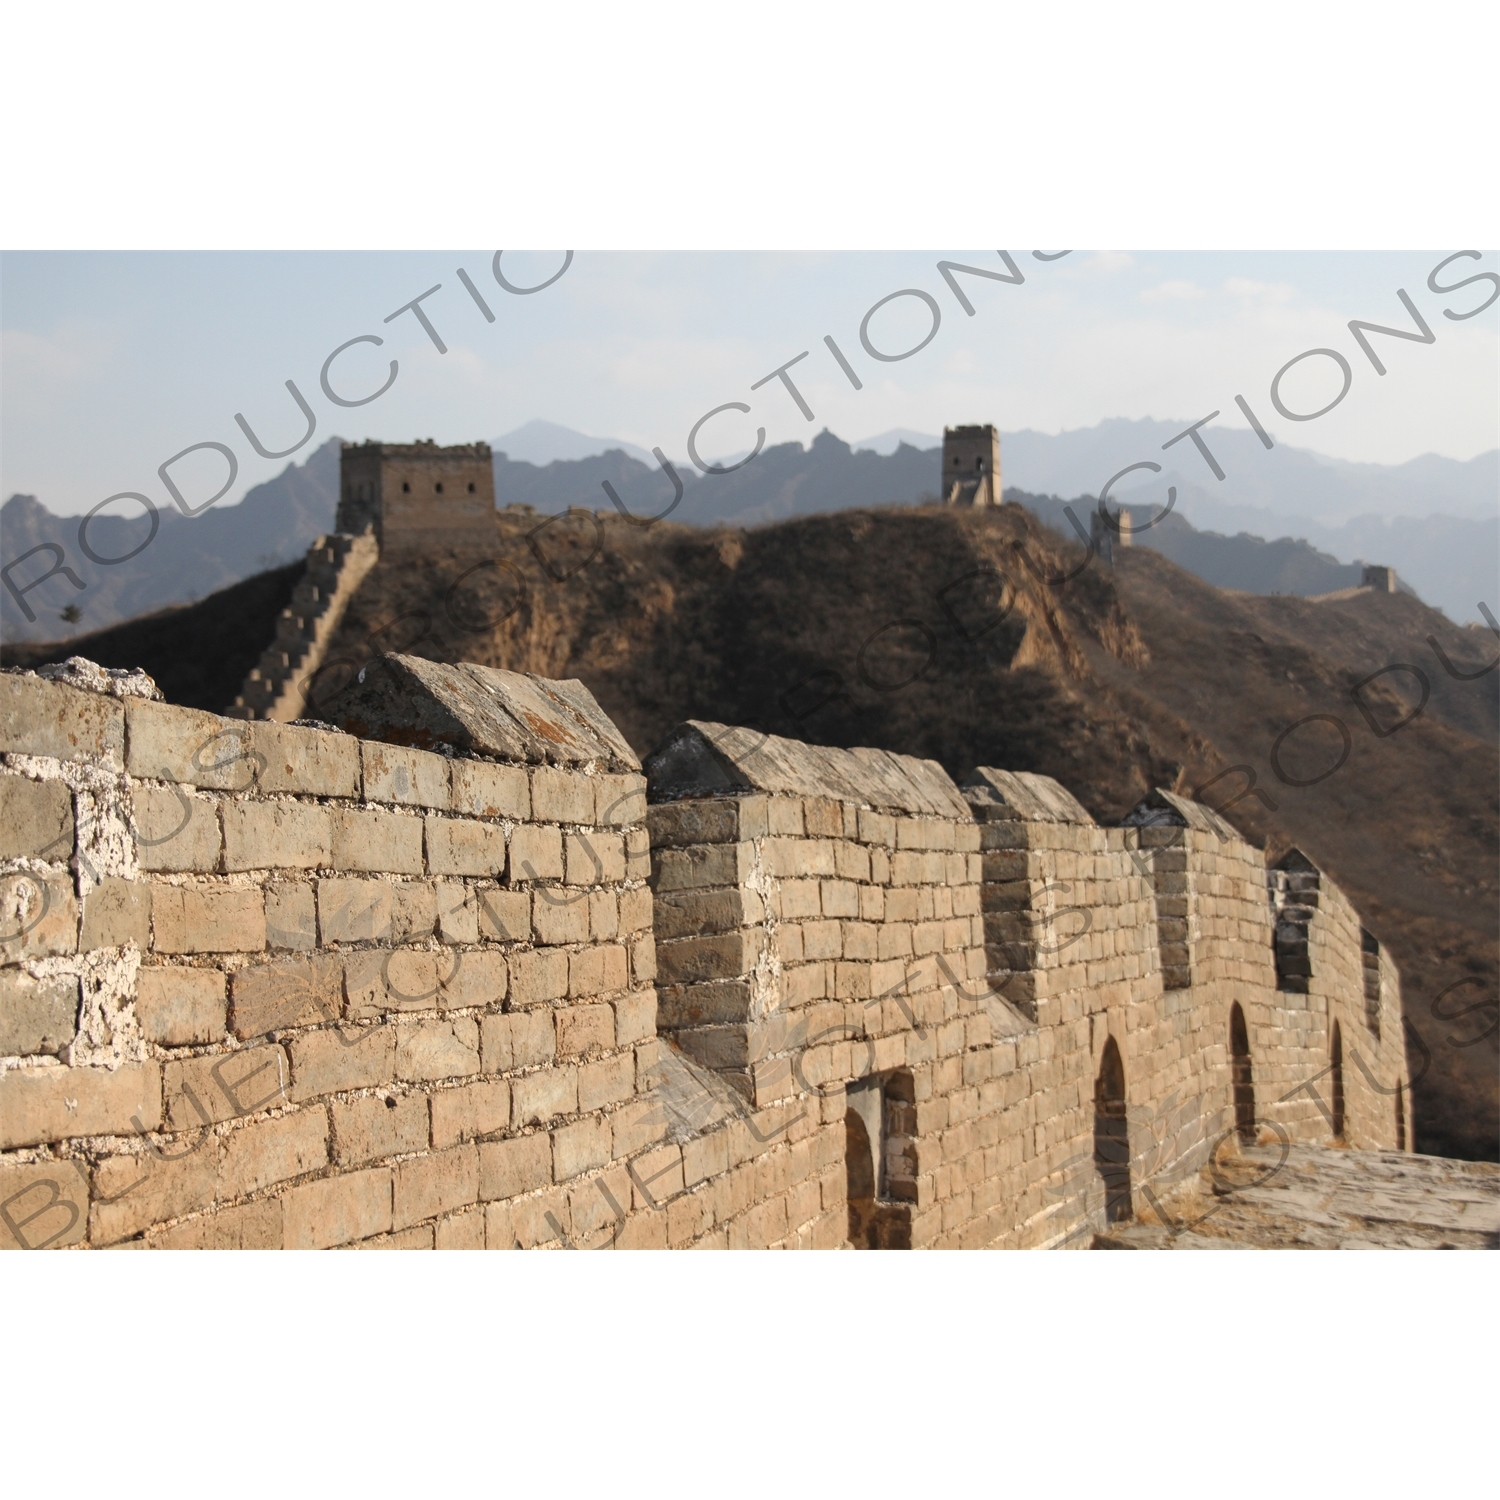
(1162, 809)
(480, 711)
(700, 759)
(1021, 797)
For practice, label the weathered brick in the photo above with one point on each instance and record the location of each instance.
(339, 1058)
(116, 912)
(377, 839)
(523, 1039)
(276, 835)
(38, 1105)
(509, 1168)
(261, 1152)
(176, 830)
(284, 993)
(709, 865)
(204, 1090)
(437, 1184)
(705, 1156)
(635, 909)
(474, 978)
(36, 1015)
(310, 761)
(139, 1190)
(291, 915)
(488, 791)
(657, 1176)
(504, 915)
(604, 916)
(354, 911)
(373, 1126)
(601, 970)
(410, 778)
(38, 916)
(337, 1210)
(539, 1098)
(546, 1219)
(619, 800)
(187, 920)
(45, 1205)
(559, 916)
(535, 854)
(708, 820)
(686, 960)
(36, 819)
(599, 1206)
(383, 980)
(462, 846)
(639, 1124)
(594, 858)
(559, 796)
(430, 1050)
(249, 1226)
(610, 1081)
(168, 743)
(470, 1111)
(695, 913)
(414, 910)
(461, 1231)
(584, 1028)
(580, 1147)
(38, 717)
(537, 976)
(635, 1017)
(180, 1007)
(457, 913)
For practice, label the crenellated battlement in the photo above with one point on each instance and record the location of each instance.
(451, 980)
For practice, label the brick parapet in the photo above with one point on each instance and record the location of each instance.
(273, 985)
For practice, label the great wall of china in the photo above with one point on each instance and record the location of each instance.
(471, 975)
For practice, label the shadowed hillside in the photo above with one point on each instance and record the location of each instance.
(199, 654)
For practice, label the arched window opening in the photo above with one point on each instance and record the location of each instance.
(880, 1161)
(859, 1165)
(1241, 1079)
(1336, 1058)
(1112, 1134)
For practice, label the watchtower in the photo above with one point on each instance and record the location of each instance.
(971, 465)
(418, 496)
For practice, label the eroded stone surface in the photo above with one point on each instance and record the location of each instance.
(118, 682)
(700, 758)
(406, 700)
(1306, 1197)
(1022, 797)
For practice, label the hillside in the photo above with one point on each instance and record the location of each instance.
(199, 653)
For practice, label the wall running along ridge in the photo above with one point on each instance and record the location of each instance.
(450, 982)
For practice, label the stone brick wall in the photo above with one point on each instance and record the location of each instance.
(451, 982)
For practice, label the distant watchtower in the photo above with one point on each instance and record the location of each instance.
(417, 496)
(971, 466)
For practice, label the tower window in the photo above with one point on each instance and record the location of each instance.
(438, 487)
(405, 487)
(471, 489)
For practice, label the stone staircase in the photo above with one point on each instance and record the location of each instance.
(336, 566)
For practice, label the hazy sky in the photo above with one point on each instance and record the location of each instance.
(114, 362)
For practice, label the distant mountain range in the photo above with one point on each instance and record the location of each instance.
(1285, 521)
